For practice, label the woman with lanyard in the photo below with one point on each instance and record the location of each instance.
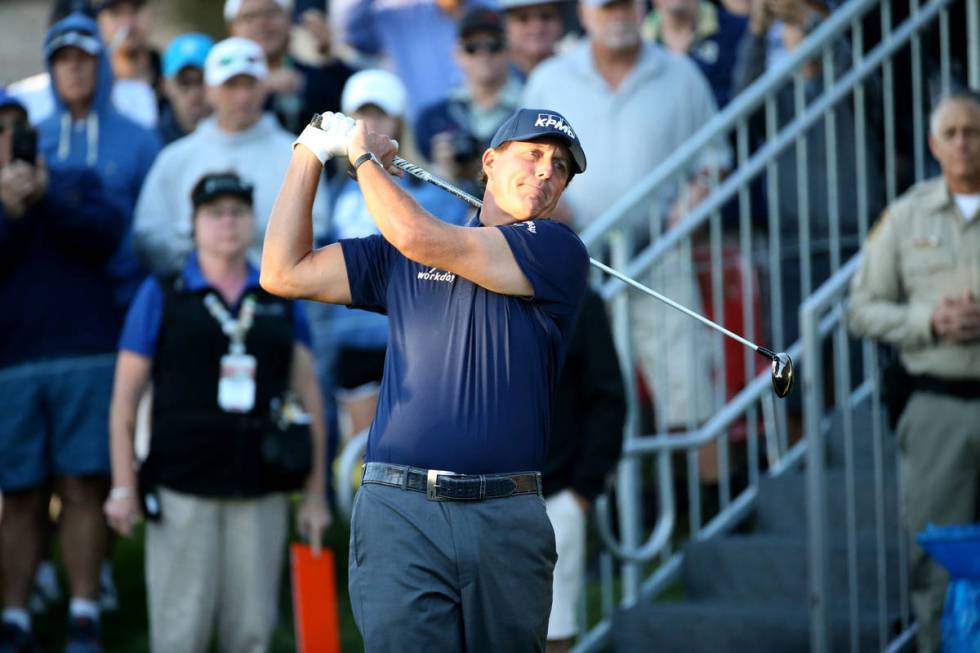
(222, 354)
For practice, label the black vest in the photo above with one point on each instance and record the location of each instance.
(196, 447)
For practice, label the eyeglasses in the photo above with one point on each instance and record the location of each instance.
(528, 15)
(13, 123)
(260, 14)
(491, 47)
(188, 81)
(238, 211)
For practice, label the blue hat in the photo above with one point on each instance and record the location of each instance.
(8, 100)
(186, 50)
(531, 124)
(75, 37)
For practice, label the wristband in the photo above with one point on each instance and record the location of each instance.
(121, 492)
(361, 160)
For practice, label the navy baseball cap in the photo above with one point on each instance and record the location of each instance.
(220, 184)
(87, 42)
(9, 100)
(531, 124)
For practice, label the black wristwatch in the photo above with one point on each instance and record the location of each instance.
(361, 160)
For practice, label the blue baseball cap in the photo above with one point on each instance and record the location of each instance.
(87, 42)
(7, 100)
(189, 49)
(531, 124)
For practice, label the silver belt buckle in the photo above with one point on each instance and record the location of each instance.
(431, 483)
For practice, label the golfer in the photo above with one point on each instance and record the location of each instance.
(462, 559)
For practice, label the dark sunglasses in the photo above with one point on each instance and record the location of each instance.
(13, 124)
(543, 15)
(493, 47)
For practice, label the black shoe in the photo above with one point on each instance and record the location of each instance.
(84, 636)
(15, 640)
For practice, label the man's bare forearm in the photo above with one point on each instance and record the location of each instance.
(402, 222)
(287, 252)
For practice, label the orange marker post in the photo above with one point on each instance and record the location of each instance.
(314, 600)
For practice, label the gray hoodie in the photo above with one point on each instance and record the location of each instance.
(260, 155)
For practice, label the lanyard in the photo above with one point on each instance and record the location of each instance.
(234, 329)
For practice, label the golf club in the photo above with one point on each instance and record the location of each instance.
(782, 364)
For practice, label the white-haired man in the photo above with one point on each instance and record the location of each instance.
(917, 289)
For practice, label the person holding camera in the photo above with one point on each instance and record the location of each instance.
(225, 358)
(453, 132)
(58, 229)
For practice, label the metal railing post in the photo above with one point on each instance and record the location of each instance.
(816, 481)
(973, 43)
(628, 478)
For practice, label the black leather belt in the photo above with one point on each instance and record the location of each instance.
(960, 388)
(438, 485)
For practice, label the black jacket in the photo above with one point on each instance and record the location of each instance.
(590, 408)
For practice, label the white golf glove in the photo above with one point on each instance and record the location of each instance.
(330, 139)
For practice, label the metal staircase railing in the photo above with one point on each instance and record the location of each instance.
(856, 86)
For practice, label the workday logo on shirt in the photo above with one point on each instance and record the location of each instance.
(435, 274)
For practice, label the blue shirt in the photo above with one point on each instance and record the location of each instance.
(142, 325)
(470, 374)
(350, 218)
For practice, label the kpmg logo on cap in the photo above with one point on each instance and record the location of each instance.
(554, 122)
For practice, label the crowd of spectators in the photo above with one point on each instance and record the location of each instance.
(105, 164)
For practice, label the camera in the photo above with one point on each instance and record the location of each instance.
(24, 143)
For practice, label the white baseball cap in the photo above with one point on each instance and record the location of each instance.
(234, 56)
(232, 7)
(374, 86)
(507, 5)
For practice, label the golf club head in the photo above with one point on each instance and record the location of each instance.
(782, 374)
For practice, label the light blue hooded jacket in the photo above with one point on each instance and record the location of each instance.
(117, 149)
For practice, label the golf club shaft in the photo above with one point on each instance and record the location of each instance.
(425, 175)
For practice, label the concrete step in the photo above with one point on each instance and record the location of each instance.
(729, 627)
(754, 568)
(863, 441)
(781, 503)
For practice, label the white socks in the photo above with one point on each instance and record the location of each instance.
(18, 617)
(83, 608)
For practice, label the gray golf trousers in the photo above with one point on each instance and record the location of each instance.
(450, 575)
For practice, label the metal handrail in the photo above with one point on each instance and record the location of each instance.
(739, 108)
(700, 214)
(839, 84)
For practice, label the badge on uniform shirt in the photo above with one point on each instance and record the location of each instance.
(236, 385)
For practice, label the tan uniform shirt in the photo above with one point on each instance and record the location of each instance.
(922, 250)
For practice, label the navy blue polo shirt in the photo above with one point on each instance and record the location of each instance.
(470, 374)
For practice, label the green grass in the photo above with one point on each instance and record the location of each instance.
(127, 630)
